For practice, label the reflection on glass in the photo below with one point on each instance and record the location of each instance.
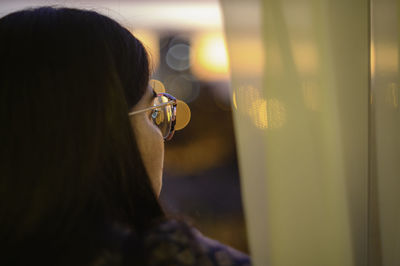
(258, 113)
(264, 113)
(277, 113)
(234, 102)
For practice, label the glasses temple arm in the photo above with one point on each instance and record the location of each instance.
(151, 108)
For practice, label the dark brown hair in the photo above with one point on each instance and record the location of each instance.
(69, 162)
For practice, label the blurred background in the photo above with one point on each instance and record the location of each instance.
(315, 92)
(188, 55)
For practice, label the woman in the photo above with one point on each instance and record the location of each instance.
(82, 148)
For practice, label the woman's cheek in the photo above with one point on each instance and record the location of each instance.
(153, 154)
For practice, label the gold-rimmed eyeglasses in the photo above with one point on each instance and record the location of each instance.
(163, 114)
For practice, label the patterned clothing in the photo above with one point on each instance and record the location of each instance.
(175, 243)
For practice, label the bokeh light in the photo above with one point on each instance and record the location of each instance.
(157, 86)
(177, 57)
(183, 86)
(265, 113)
(150, 42)
(209, 56)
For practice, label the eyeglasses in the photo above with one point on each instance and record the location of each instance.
(163, 114)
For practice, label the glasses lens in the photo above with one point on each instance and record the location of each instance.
(163, 116)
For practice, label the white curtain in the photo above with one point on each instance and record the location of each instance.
(317, 125)
(385, 134)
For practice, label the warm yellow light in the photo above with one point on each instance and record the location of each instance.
(209, 56)
(247, 56)
(373, 60)
(150, 42)
(258, 113)
(249, 101)
(215, 54)
(276, 112)
(305, 57)
(157, 86)
(234, 101)
(265, 113)
(386, 58)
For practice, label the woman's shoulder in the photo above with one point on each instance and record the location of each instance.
(176, 243)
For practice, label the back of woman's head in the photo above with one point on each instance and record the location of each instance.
(69, 163)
